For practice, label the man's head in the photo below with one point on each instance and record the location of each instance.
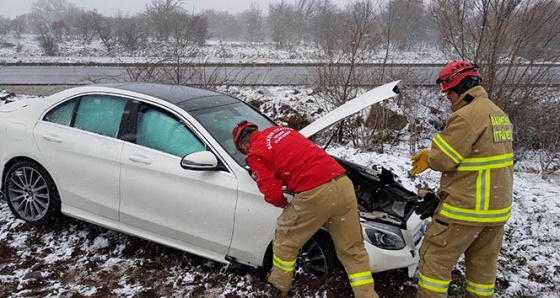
(458, 76)
(241, 133)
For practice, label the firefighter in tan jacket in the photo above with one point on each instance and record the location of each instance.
(475, 157)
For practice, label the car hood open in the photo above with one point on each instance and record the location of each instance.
(351, 107)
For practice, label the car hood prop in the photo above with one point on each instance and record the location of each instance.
(353, 106)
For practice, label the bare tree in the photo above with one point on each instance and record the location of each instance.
(359, 39)
(544, 43)
(282, 21)
(19, 25)
(130, 32)
(509, 39)
(407, 23)
(189, 29)
(102, 26)
(496, 34)
(84, 25)
(161, 16)
(175, 61)
(223, 25)
(538, 130)
(45, 12)
(254, 20)
(326, 27)
(5, 27)
(404, 26)
(47, 19)
(340, 80)
(303, 11)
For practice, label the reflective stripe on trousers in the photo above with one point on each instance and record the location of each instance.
(480, 289)
(287, 266)
(360, 278)
(432, 284)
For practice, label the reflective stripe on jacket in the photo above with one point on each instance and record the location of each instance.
(474, 153)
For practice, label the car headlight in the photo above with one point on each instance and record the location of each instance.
(383, 236)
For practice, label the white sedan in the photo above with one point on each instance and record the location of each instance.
(157, 162)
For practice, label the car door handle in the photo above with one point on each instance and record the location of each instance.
(140, 158)
(52, 138)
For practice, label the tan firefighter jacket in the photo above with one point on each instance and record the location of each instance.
(474, 153)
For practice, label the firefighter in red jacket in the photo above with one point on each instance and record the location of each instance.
(475, 157)
(323, 196)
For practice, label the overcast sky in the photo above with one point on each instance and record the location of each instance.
(110, 7)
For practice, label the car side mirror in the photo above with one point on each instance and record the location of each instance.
(200, 161)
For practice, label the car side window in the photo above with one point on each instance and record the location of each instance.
(161, 131)
(62, 114)
(100, 114)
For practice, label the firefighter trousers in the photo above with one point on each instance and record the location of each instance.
(333, 206)
(444, 243)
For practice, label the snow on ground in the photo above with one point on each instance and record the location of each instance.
(529, 265)
(530, 257)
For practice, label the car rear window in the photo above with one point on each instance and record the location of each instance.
(62, 114)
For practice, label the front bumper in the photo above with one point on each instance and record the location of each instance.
(403, 253)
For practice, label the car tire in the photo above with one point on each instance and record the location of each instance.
(318, 256)
(31, 193)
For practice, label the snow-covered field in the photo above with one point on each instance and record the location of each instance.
(80, 260)
(27, 49)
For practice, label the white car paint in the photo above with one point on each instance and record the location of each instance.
(87, 166)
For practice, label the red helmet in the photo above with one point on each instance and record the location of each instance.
(452, 74)
(240, 130)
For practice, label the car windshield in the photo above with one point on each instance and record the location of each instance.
(220, 120)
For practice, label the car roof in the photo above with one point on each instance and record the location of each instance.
(189, 98)
(192, 99)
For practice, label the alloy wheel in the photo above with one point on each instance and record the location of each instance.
(28, 193)
(313, 260)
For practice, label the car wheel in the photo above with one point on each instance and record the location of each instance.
(317, 257)
(31, 193)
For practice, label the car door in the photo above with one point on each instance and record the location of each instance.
(159, 197)
(78, 140)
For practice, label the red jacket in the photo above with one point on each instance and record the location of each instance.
(282, 156)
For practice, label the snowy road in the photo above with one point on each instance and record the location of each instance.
(232, 74)
(246, 74)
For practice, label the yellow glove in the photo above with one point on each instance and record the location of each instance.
(419, 162)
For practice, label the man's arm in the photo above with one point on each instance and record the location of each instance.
(452, 145)
(268, 184)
